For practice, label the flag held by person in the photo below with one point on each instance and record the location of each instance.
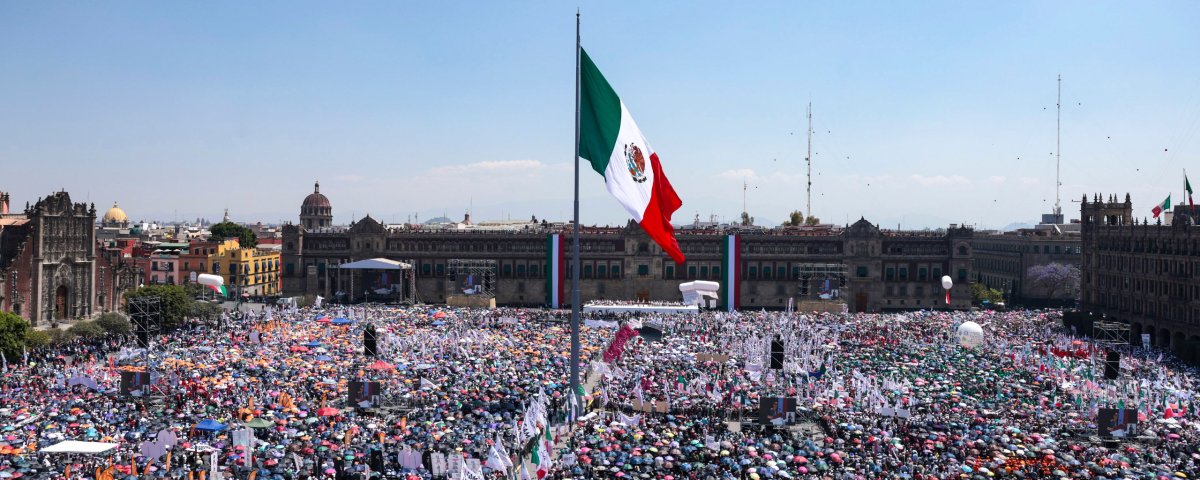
(614, 145)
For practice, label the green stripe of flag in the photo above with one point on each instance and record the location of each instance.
(599, 115)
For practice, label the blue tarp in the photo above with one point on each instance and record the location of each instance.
(210, 425)
(342, 321)
(313, 344)
(324, 358)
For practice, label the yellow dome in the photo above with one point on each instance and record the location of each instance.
(115, 215)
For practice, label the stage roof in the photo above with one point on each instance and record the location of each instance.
(376, 264)
(73, 446)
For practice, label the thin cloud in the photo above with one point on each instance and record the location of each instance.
(997, 179)
(516, 167)
(939, 180)
(747, 174)
(1029, 180)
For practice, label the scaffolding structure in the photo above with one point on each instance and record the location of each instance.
(810, 272)
(471, 277)
(145, 315)
(1110, 334)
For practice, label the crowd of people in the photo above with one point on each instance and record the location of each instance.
(472, 393)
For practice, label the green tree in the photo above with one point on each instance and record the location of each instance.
(59, 337)
(13, 330)
(980, 293)
(174, 303)
(35, 339)
(747, 220)
(115, 323)
(221, 231)
(795, 219)
(87, 329)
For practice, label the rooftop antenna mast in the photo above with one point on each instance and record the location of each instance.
(1058, 154)
(744, 194)
(808, 159)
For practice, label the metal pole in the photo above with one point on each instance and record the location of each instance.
(575, 386)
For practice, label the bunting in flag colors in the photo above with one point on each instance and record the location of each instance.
(556, 274)
(731, 261)
(616, 148)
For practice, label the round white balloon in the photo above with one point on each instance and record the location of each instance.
(947, 282)
(970, 335)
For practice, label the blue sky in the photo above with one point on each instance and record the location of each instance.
(926, 113)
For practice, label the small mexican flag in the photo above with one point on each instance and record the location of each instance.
(616, 148)
(1187, 186)
(1164, 206)
(220, 289)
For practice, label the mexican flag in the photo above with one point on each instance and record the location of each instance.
(616, 148)
(1187, 186)
(220, 289)
(1164, 206)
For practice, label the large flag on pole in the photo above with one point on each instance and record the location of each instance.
(616, 148)
(1164, 206)
(1187, 187)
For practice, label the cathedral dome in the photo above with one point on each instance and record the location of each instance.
(316, 199)
(115, 215)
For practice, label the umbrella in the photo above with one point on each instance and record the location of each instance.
(381, 366)
(342, 321)
(327, 411)
(259, 423)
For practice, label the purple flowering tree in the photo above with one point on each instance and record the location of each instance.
(1055, 280)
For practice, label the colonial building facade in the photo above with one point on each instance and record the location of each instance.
(1145, 274)
(1003, 260)
(867, 268)
(51, 266)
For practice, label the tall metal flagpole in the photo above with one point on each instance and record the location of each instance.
(575, 239)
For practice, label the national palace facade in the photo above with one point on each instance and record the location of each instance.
(868, 268)
(1146, 274)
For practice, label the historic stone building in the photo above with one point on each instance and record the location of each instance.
(1145, 274)
(868, 268)
(49, 263)
(1002, 261)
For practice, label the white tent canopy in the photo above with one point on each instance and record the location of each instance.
(376, 264)
(695, 293)
(73, 446)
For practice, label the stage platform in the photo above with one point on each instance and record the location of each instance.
(634, 308)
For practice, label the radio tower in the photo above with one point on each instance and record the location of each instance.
(1058, 155)
(808, 160)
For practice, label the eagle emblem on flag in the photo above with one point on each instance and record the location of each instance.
(636, 162)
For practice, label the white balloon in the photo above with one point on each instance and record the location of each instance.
(970, 335)
(947, 282)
